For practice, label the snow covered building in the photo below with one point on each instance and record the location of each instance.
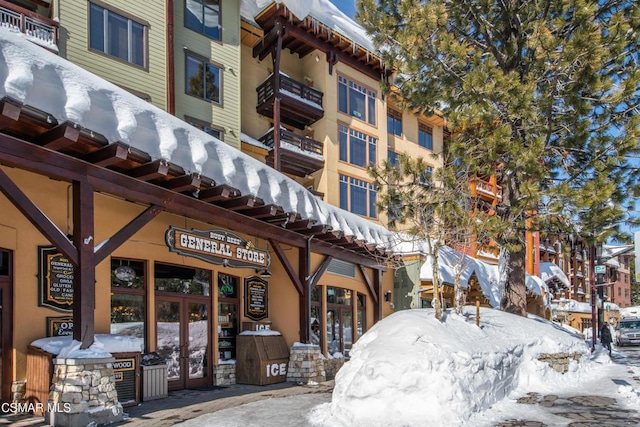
(122, 217)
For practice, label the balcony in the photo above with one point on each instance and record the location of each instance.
(487, 189)
(37, 28)
(300, 105)
(299, 155)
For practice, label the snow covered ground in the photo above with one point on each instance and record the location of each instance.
(412, 370)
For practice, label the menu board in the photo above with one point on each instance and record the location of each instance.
(55, 279)
(256, 297)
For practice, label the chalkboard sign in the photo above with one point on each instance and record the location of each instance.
(56, 279)
(255, 298)
(59, 326)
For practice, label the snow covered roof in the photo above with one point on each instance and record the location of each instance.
(40, 79)
(322, 11)
(487, 274)
(550, 271)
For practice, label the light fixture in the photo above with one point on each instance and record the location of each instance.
(387, 296)
(125, 273)
(265, 274)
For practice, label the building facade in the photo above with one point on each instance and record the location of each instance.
(64, 177)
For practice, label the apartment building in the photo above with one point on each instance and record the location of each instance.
(188, 59)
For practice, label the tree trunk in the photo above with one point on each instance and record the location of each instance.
(514, 293)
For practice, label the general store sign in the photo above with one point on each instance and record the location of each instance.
(217, 247)
(55, 274)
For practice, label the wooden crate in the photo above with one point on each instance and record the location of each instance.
(261, 359)
(39, 376)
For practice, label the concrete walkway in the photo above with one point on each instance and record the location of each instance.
(183, 405)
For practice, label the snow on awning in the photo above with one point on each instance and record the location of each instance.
(449, 261)
(40, 79)
(549, 271)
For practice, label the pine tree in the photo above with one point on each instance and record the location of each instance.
(542, 94)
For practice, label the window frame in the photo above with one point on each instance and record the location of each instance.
(346, 196)
(395, 117)
(202, 125)
(201, 31)
(347, 150)
(108, 10)
(205, 61)
(427, 130)
(370, 98)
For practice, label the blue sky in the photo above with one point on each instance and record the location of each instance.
(346, 6)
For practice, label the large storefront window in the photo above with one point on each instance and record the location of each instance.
(182, 323)
(227, 316)
(362, 314)
(316, 315)
(127, 297)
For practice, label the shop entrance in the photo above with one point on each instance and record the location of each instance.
(339, 329)
(6, 325)
(183, 327)
(182, 337)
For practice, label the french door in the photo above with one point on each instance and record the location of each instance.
(6, 326)
(182, 339)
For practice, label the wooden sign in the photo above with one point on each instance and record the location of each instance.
(256, 298)
(217, 247)
(56, 279)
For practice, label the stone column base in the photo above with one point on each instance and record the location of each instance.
(306, 364)
(83, 392)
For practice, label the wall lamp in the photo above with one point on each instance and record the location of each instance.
(387, 296)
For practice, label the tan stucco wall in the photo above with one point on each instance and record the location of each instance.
(148, 244)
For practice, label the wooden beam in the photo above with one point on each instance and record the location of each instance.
(219, 192)
(265, 211)
(304, 267)
(240, 203)
(148, 171)
(58, 137)
(288, 268)
(370, 285)
(39, 220)
(84, 277)
(108, 155)
(127, 232)
(9, 112)
(183, 183)
(320, 271)
(15, 152)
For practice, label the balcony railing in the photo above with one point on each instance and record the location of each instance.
(488, 188)
(38, 29)
(302, 144)
(299, 155)
(300, 104)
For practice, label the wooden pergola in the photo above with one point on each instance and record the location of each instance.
(34, 141)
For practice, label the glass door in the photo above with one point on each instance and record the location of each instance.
(6, 327)
(182, 339)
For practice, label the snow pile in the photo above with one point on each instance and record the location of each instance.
(103, 345)
(411, 369)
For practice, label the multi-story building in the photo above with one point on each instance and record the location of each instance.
(191, 59)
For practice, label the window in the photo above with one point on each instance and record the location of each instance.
(392, 158)
(356, 147)
(228, 300)
(203, 16)
(394, 122)
(356, 100)
(210, 129)
(426, 176)
(425, 136)
(203, 79)
(128, 298)
(117, 35)
(358, 196)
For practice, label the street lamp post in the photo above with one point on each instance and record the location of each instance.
(592, 285)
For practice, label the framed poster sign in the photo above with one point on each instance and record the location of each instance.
(55, 277)
(256, 298)
(59, 326)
